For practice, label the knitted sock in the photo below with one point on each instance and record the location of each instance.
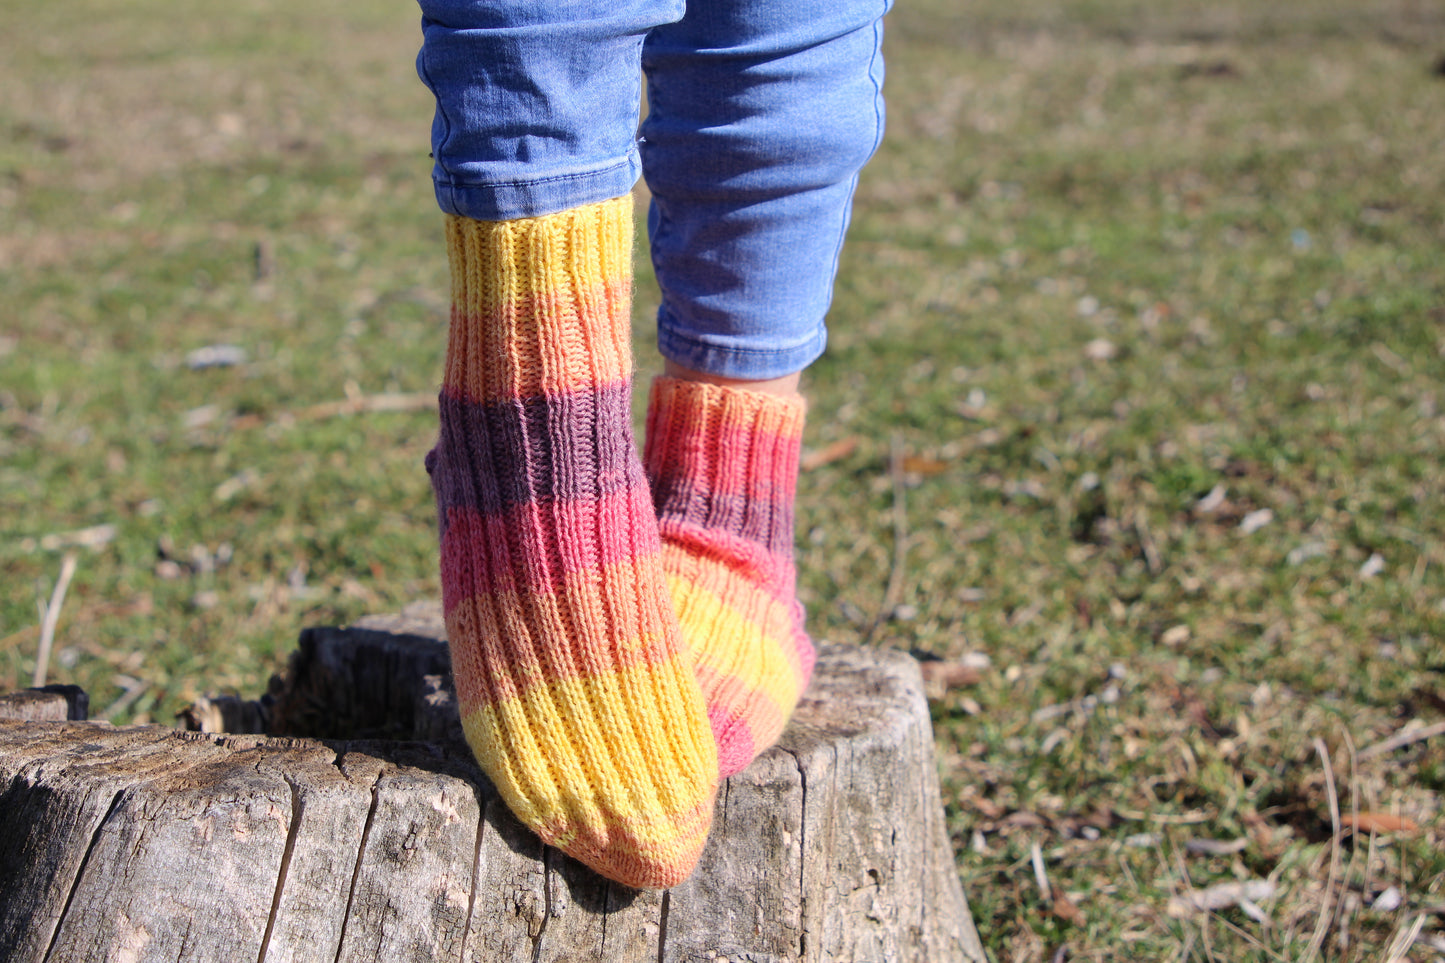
(723, 463)
(575, 692)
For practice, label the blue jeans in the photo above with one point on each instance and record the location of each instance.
(760, 115)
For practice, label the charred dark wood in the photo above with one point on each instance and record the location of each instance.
(51, 703)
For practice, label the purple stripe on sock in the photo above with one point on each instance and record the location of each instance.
(755, 519)
(570, 446)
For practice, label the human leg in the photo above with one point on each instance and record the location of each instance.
(575, 692)
(761, 115)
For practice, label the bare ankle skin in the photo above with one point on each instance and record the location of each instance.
(785, 386)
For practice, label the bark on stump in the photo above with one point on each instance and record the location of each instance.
(361, 830)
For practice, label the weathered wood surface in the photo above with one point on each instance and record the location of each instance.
(52, 703)
(146, 843)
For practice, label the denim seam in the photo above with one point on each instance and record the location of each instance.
(555, 179)
(877, 87)
(750, 352)
(878, 125)
(437, 148)
(812, 345)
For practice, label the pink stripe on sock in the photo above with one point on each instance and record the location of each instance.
(513, 550)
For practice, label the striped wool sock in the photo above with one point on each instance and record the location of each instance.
(723, 463)
(575, 692)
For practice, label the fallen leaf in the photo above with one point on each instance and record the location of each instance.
(1373, 566)
(986, 808)
(216, 356)
(815, 458)
(236, 484)
(918, 465)
(1217, 847)
(1024, 819)
(1065, 910)
(200, 417)
(1256, 520)
(1369, 822)
(1219, 897)
(96, 536)
(356, 403)
(1303, 553)
(1210, 503)
(1175, 635)
(1388, 901)
(949, 675)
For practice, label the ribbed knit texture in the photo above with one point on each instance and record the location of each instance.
(575, 692)
(723, 463)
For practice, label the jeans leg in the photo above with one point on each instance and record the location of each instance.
(537, 101)
(761, 114)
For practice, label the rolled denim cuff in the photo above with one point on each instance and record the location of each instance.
(536, 102)
(534, 197)
(732, 356)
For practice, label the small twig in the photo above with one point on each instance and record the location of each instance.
(1404, 939)
(134, 689)
(1216, 847)
(1432, 940)
(1401, 739)
(814, 459)
(1326, 902)
(1146, 542)
(894, 591)
(1083, 706)
(355, 404)
(1036, 857)
(1220, 896)
(1168, 819)
(1256, 944)
(52, 618)
(1342, 912)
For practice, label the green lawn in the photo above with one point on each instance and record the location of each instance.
(1144, 307)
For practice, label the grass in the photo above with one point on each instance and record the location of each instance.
(1112, 258)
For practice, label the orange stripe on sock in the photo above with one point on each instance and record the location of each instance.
(537, 637)
(541, 305)
(594, 348)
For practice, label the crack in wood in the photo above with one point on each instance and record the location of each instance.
(802, 850)
(80, 872)
(662, 926)
(297, 808)
(546, 903)
(185, 943)
(476, 876)
(360, 855)
(838, 796)
(606, 912)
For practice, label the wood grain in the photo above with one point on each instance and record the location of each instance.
(144, 843)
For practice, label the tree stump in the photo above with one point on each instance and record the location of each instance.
(360, 829)
(52, 703)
